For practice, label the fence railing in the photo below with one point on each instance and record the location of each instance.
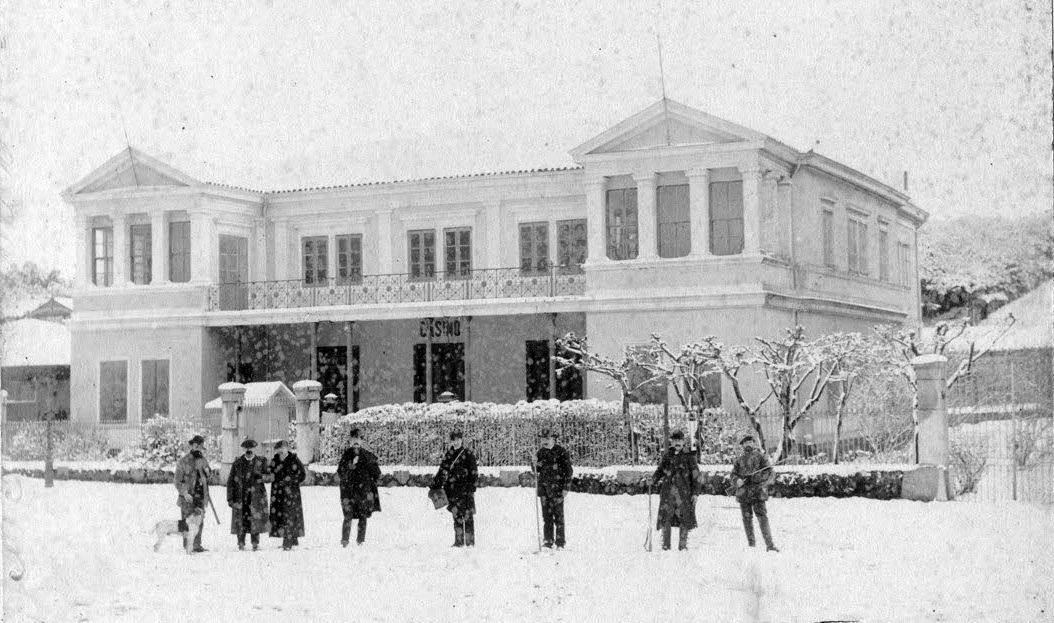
(482, 283)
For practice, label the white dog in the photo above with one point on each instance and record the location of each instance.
(168, 527)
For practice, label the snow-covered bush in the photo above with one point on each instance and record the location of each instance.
(70, 442)
(163, 441)
(969, 458)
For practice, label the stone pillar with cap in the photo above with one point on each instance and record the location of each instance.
(307, 395)
(232, 395)
(931, 480)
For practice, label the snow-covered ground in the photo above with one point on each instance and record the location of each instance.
(88, 558)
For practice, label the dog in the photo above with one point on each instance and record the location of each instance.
(187, 529)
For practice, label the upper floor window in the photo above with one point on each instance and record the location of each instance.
(234, 259)
(422, 246)
(140, 257)
(726, 218)
(904, 261)
(571, 249)
(674, 228)
(828, 234)
(315, 254)
(534, 247)
(883, 253)
(457, 247)
(113, 391)
(179, 251)
(349, 258)
(102, 256)
(857, 243)
(622, 224)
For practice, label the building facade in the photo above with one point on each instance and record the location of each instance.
(672, 221)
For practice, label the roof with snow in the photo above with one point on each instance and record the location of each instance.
(1033, 325)
(258, 394)
(32, 342)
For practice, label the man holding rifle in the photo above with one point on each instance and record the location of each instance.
(192, 483)
(753, 473)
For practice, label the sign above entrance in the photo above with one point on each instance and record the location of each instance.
(440, 328)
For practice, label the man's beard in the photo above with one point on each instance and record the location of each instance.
(196, 453)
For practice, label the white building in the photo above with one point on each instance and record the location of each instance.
(673, 221)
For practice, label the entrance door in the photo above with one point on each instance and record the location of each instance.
(333, 375)
(448, 370)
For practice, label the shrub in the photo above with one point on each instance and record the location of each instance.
(969, 457)
(70, 443)
(163, 441)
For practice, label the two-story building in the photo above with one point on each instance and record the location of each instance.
(672, 221)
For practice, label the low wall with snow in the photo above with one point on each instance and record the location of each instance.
(880, 482)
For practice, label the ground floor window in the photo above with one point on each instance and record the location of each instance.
(113, 391)
(448, 370)
(155, 388)
(333, 374)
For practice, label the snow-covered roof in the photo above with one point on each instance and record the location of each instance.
(32, 342)
(259, 393)
(1033, 324)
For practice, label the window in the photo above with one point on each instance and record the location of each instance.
(349, 258)
(883, 254)
(534, 247)
(316, 260)
(155, 388)
(828, 234)
(234, 259)
(857, 244)
(113, 391)
(674, 228)
(457, 245)
(422, 254)
(140, 248)
(571, 249)
(711, 388)
(904, 260)
(537, 367)
(102, 256)
(448, 370)
(647, 388)
(726, 218)
(179, 252)
(622, 224)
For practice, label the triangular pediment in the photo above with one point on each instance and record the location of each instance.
(131, 168)
(665, 124)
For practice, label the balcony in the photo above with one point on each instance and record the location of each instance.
(484, 283)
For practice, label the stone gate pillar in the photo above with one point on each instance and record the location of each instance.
(307, 418)
(231, 396)
(931, 480)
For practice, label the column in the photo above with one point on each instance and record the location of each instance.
(259, 268)
(350, 382)
(282, 260)
(492, 217)
(83, 242)
(785, 216)
(384, 242)
(699, 210)
(596, 202)
(751, 209)
(552, 356)
(307, 419)
(121, 256)
(158, 248)
(202, 245)
(468, 359)
(768, 232)
(647, 242)
(231, 397)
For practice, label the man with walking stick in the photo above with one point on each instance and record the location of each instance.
(192, 483)
(554, 479)
(457, 478)
(677, 479)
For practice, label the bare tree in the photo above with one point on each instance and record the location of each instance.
(855, 357)
(732, 363)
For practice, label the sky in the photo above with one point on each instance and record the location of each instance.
(275, 95)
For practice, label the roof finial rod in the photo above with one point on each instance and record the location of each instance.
(128, 143)
(662, 83)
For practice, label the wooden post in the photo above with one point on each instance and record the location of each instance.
(49, 451)
(468, 358)
(238, 355)
(428, 362)
(552, 356)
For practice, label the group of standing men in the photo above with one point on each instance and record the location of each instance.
(677, 479)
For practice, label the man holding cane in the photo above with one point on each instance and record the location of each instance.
(554, 479)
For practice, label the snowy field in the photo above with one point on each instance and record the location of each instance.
(88, 558)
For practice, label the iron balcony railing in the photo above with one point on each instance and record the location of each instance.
(483, 283)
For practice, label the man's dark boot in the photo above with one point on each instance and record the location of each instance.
(470, 531)
(241, 541)
(255, 538)
(748, 523)
(682, 539)
(763, 521)
(345, 532)
(666, 537)
(287, 543)
(360, 533)
(459, 534)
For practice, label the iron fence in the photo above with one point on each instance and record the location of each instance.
(1006, 459)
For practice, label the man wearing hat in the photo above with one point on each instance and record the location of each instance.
(192, 483)
(287, 508)
(457, 477)
(553, 466)
(752, 473)
(678, 480)
(247, 495)
(359, 472)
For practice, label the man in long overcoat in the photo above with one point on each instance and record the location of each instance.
(554, 479)
(457, 477)
(192, 483)
(287, 509)
(752, 472)
(359, 472)
(677, 478)
(247, 495)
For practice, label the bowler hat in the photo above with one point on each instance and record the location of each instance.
(677, 434)
(196, 439)
(456, 434)
(746, 439)
(354, 433)
(280, 444)
(248, 443)
(547, 433)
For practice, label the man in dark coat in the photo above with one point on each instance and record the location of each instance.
(554, 479)
(457, 477)
(753, 472)
(677, 478)
(192, 483)
(247, 495)
(287, 510)
(359, 472)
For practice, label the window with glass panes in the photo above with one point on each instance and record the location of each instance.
(673, 227)
(622, 224)
(179, 251)
(113, 391)
(155, 387)
(534, 247)
(857, 244)
(883, 254)
(422, 247)
(457, 249)
(315, 253)
(828, 234)
(571, 249)
(234, 259)
(140, 253)
(726, 218)
(349, 258)
(102, 256)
